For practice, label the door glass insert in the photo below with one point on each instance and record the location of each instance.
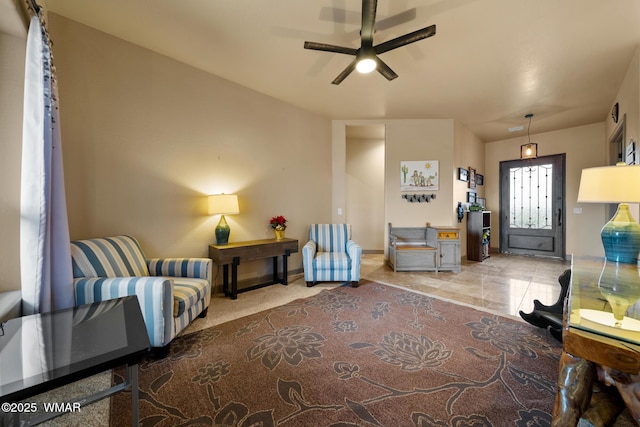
(531, 197)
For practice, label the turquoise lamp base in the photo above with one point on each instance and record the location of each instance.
(222, 232)
(621, 237)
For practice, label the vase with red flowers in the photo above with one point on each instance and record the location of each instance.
(279, 224)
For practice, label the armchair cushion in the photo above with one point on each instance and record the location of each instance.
(189, 277)
(332, 261)
(119, 256)
(186, 293)
(330, 237)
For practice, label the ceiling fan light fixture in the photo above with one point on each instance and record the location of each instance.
(367, 56)
(366, 65)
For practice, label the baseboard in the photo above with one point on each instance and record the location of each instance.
(372, 251)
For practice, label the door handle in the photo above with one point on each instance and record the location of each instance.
(559, 217)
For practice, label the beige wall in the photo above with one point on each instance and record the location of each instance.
(628, 99)
(12, 56)
(146, 138)
(469, 151)
(410, 140)
(365, 190)
(584, 147)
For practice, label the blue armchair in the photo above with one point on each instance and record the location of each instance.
(330, 255)
(171, 291)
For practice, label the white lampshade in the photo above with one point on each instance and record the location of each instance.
(223, 204)
(610, 184)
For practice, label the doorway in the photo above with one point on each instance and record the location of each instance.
(364, 185)
(532, 206)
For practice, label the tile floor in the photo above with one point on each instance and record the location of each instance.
(501, 283)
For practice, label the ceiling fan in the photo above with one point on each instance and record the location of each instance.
(366, 57)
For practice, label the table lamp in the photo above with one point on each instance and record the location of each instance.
(618, 282)
(225, 204)
(615, 184)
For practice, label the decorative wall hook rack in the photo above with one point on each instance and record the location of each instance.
(418, 198)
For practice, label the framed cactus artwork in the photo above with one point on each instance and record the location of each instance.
(419, 175)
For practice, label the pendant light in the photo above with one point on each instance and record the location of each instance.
(529, 150)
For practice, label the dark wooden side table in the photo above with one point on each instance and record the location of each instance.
(236, 252)
(593, 348)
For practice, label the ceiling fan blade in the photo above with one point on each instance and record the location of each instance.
(384, 69)
(406, 39)
(343, 75)
(397, 19)
(330, 48)
(368, 22)
(340, 16)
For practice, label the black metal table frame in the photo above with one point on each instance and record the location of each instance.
(234, 291)
(130, 382)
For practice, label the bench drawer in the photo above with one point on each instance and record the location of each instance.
(448, 235)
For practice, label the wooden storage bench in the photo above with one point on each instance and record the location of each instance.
(424, 248)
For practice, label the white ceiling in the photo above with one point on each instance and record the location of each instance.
(490, 63)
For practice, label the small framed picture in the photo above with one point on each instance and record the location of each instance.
(479, 179)
(419, 175)
(471, 197)
(481, 201)
(463, 174)
(472, 178)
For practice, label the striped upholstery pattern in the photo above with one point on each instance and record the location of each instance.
(330, 254)
(119, 256)
(190, 279)
(171, 291)
(153, 293)
(330, 237)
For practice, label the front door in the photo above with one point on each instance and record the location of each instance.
(532, 209)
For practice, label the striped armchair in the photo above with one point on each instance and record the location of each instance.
(171, 291)
(330, 255)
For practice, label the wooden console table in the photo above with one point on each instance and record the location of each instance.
(235, 252)
(591, 349)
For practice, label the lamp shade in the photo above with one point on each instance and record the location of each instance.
(610, 184)
(529, 151)
(223, 204)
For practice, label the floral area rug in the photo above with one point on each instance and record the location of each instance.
(375, 355)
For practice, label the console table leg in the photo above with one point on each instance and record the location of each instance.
(285, 268)
(225, 279)
(234, 278)
(276, 279)
(575, 383)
